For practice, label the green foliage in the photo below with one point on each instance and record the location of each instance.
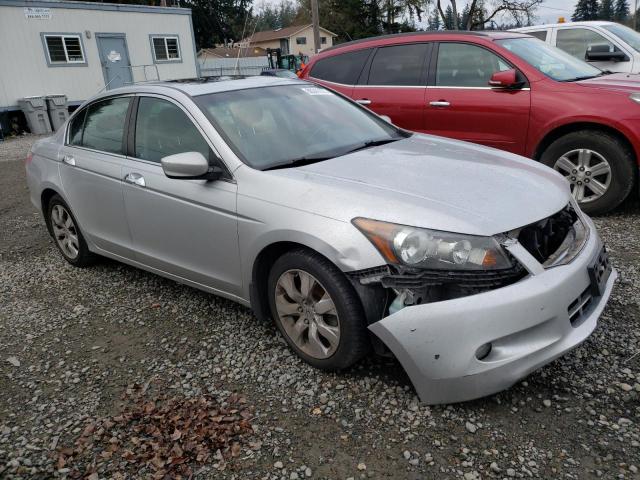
(606, 10)
(621, 11)
(217, 21)
(586, 10)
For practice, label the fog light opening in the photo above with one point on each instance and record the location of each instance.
(484, 351)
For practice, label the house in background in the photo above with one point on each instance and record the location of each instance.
(294, 39)
(80, 48)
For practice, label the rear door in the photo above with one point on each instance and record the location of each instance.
(186, 228)
(461, 104)
(394, 82)
(91, 173)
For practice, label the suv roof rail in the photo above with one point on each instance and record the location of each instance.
(406, 34)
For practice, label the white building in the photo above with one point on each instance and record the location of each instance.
(52, 47)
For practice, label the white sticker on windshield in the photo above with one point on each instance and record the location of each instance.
(316, 91)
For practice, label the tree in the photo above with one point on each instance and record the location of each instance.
(434, 20)
(606, 10)
(481, 13)
(450, 20)
(218, 21)
(621, 11)
(586, 10)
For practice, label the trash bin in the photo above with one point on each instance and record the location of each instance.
(35, 109)
(58, 111)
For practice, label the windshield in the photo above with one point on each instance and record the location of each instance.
(274, 126)
(631, 37)
(551, 61)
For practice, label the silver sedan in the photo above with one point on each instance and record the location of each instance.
(471, 266)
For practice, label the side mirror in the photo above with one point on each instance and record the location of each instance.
(604, 52)
(189, 166)
(505, 79)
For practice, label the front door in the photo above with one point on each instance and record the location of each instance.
(186, 228)
(461, 105)
(91, 174)
(395, 84)
(114, 58)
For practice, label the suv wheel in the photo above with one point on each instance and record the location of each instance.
(598, 166)
(66, 234)
(317, 311)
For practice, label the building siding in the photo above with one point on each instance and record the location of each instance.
(24, 68)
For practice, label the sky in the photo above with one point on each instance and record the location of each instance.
(548, 12)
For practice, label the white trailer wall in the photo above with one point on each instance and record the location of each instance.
(25, 71)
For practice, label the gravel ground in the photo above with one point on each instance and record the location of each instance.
(75, 342)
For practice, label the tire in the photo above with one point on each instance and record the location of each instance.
(602, 146)
(353, 340)
(63, 226)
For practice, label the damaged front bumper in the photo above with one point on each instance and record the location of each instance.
(470, 347)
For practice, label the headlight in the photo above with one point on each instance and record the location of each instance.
(635, 97)
(433, 249)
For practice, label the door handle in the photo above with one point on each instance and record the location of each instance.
(440, 103)
(363, 101)
(135, 179)
(69, 160)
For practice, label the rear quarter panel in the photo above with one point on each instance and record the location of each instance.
(42, 172)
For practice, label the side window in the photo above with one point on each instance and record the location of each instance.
(398, 65)
(104, 125)
(464, 65)
(343, 68)
(75, 128)
(540, 34)
(163, 129)
(576, 41)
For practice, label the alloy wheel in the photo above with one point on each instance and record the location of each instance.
(588, 172)
(64, 231)
(307, 314)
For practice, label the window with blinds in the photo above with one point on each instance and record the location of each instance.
(63, 49)
(165, 49)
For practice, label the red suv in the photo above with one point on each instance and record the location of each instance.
(505, 90)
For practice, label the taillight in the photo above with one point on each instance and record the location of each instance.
(27, 160)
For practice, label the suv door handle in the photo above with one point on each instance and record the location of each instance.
(135, 179)
(363, 101)
(440, 103)
(69, 160)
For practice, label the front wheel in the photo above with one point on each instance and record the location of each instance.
(317, 310)
(597, 165)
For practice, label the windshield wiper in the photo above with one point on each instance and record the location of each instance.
(297, 162)
(307, 160)
(587, 77)
(372, 143)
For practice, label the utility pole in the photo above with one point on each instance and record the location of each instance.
(316, 25)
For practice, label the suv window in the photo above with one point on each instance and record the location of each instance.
(104, 125)
(398, 65)
(576, 41)
(540, 34)
(465, 65)
(344, 68)
(163, 129)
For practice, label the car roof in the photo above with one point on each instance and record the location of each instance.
(593, 23)
(206, 85)
(448, 34)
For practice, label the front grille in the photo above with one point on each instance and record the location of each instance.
(542, 239)
(580, 307)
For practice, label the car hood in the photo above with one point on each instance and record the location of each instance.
(425, 181)
(619, 82)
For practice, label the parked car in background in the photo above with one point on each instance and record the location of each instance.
(606, 45)
(505, 90)
(278, 72)
(473, 266)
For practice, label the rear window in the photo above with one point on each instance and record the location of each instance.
(398, 65)
(344, 68)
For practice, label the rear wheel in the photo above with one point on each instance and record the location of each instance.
(598, 166)
(317, 311)
(67, 235)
